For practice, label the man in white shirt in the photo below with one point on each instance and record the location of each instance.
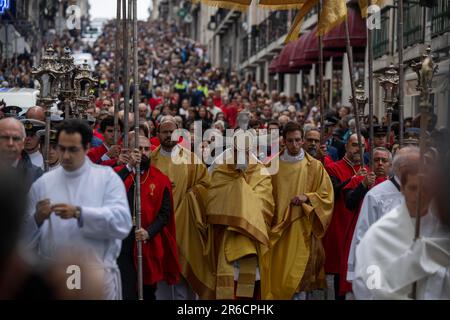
(79, 206)
(380, 200)
(388, 259)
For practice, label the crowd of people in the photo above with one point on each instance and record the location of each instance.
(313, 229)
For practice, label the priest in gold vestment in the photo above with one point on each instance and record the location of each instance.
(190, 181)
(303, 195)
(240, 210)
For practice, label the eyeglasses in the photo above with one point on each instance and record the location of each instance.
(15, 139)
(144, 148)
(63, 149)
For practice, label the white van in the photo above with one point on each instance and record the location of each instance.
(24, 98)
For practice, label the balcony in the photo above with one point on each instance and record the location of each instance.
(413, 29)
(440, 18)
(244, 52)
(278, 25)
(380, 37)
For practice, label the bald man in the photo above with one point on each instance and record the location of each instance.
(36, 113)
(341, 174)
(190, 180)
(12, 142)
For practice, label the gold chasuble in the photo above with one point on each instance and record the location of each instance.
(296, 258)
(190, 181)
(240, 208)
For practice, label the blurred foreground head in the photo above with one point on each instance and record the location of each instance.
(441, 162)
(12, 208)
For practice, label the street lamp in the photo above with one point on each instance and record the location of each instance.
(212, 25)
(84, 81)
(47, 73)
(389, 83)
(361, 100)
(66, 89)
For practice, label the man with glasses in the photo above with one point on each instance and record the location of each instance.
(312, 145)
(32, 142)
(354, 193)
(79, 206)
(381, 199)
(12, 141)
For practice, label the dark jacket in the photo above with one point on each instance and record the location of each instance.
(30, 173)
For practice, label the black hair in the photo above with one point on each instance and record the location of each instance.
(106, 122)
(72, 126)
(291, 126)
(144, 127)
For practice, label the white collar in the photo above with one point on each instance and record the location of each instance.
(165, 153)
(288, 158)
(79, 171)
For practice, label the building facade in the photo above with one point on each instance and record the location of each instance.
(247, 42)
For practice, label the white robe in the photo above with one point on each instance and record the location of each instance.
(377, 202)
(389, 261)
(105, 218)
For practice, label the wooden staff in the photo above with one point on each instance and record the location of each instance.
(137, 188)
(117, 75)
(126, 72)
(352, 83)
(47, 138)
(425, 70)
(321, 106)
(370, 95)
(401, 72)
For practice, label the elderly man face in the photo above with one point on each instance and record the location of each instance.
(382, 162)
(12, 138)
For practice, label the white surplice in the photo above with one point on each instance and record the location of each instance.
(377, 202)
(105, 218)
(389, 261)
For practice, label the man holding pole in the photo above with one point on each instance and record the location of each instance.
(341, 173)
(160, 256)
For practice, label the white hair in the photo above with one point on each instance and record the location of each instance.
(402, 157)
(14, 120)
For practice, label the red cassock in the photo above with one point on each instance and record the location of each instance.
(159, 254)
(96, 154)
(333, 241)
(344, 285)
(327, 161)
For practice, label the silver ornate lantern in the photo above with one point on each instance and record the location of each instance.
(389, 82)
(84, 81)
